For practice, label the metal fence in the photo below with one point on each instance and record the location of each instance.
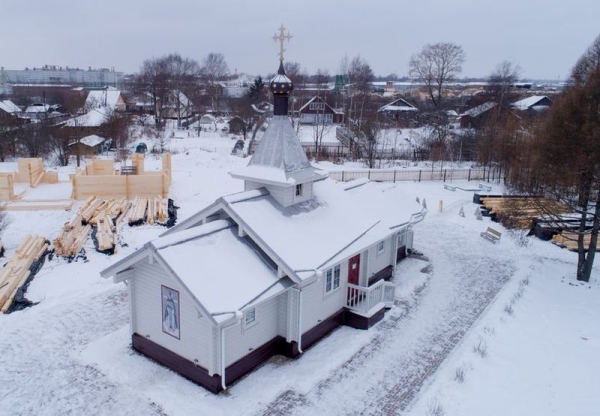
(395, 175)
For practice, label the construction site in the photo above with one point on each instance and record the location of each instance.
(102, 196)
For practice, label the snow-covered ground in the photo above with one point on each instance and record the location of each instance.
(478, 329)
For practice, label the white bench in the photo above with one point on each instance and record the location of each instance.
(449, 187)
(491, 235)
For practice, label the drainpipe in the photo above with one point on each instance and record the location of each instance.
(299, 320)
(234, 319)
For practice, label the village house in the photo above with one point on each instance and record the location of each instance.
(476, 116)
(401, 112)
(108, 98)
(270, 270)
(89, 145)
(317, 111)
(536, 103)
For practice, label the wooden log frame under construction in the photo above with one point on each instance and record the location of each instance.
(100, 179)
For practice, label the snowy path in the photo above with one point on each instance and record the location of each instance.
(44, 376)
(413, 341)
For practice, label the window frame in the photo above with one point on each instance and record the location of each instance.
(333, 279)
(248, 313)
(380, 247)
(299, 191)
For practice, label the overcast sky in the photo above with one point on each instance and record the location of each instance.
(545, 37)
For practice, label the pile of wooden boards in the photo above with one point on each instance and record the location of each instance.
(16, 272)
(106, 215)
(150, 210)
(519, 212)
(568, 240)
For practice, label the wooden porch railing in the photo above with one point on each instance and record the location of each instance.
(363, 299)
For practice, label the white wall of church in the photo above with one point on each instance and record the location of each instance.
(379, 260)
(317, 304)
(286, 196)
(241, 340)
(195, 328)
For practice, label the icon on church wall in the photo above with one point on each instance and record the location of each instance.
(170, 311)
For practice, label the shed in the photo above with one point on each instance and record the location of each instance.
(88, 145)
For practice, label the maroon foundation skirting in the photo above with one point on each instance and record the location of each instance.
(237, 370)
(311, 336)
(361, 322)
(169, 359)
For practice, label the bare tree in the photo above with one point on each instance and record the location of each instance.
(182, 73)
(321, 123)
(214, 69)
(562, 162)
(501, 82)
(434, 66)
(153, 79)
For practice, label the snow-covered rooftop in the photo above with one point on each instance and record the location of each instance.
(480, 109)
(279, 156)
(9, 107)
(93, 118)
(92, 140)
(217, 281)
(349, 220)
(529, 102)
(398, 106)
(103, 98)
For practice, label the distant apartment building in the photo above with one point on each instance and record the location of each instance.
(58, 75)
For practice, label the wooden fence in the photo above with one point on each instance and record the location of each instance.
(395, 175)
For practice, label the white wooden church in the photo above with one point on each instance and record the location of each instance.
(270, 270)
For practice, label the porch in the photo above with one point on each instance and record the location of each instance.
(366, 306)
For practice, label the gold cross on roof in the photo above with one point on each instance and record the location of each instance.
(282, 37)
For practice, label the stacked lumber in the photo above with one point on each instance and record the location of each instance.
(106, 215)
(568, 240)
(151, 210)
(519, 212)
(106, 233)
(71, 237)
(137, 214)
(16, 272)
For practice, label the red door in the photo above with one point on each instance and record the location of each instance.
(354, 269)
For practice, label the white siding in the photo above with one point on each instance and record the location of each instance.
(282, 315)
(240, 341)
(286, 196)
(318, 305)
(196, 329)
(380, 260)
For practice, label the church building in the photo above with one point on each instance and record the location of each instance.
(270, 270)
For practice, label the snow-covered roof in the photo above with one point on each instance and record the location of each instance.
(93, 118)
(92, 140)
(103, 98)
(227, 274)
(279, 157)
(316, 97)
(207, 119)
(37, 108)
(9, 107)
(480, 109)
(351, 221)
(217, 280)
(398, 106)
(530, 102)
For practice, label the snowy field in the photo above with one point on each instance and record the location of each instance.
(477, 329)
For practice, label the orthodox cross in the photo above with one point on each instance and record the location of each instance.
(282, 37)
